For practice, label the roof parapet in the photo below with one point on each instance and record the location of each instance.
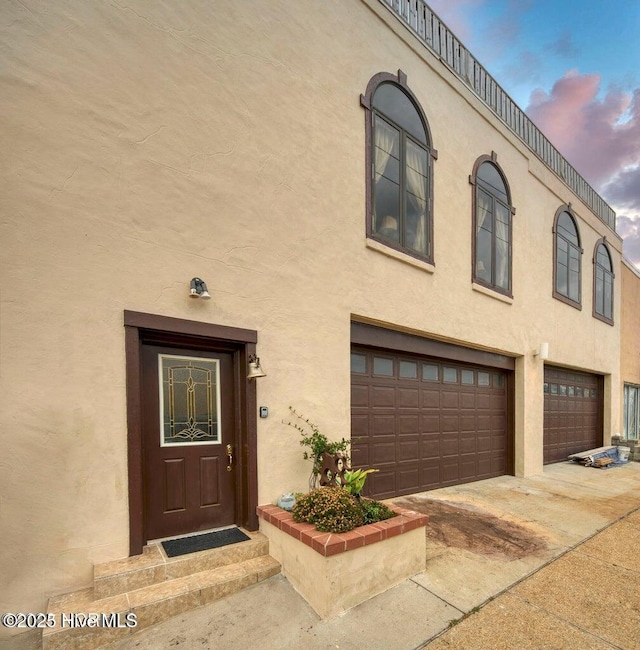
(437, 37)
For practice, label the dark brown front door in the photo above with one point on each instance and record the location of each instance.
(189, 440)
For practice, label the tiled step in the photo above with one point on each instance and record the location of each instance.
(153, 566)
(182, 589)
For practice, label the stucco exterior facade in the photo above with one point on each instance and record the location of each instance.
(148, 144)
(630, 333)
(630, 365)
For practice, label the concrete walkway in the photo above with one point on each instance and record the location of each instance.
(544, 562)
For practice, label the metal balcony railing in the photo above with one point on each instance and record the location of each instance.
(426, 25)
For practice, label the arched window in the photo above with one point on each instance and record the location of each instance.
(603, 283)
(399, 167)
(567, 282)
(492, 214)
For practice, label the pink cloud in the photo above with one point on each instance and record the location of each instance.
(590, 132)
(629, 230)
(601, 139)
(623, 190)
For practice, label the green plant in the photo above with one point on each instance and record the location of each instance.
(316, 442)
(354, 480)
(334, 510)
(330, 510)
(375, 511)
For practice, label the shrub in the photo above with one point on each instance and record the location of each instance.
(331, 510)
(375, 511)
(334, 510)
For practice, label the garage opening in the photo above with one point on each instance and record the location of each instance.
(425, 415)
(573, 413)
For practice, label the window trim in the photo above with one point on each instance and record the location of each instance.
(492, 159)
(556, 294)
(627, 388)
(602, 242)
(400, 80)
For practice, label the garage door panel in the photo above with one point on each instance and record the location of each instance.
(484, 464)
(498, 402)
(429, 447)
(359, 396)
(468, 468)
(408, 424)
(449, 423)
(383, 425)
(382, 452)
(498, 421)
(467, 445)
(430, 398)
(359, 425)
(450, 400)
(408, 450)
(430, 423)
(408, 398)
(409, 480)
(483, 401)
(450, 473)
(572, 419)
(467, 400)
(449, 446)
(361, 452)
(383, 483)
(468, 423)
(484, 422)
(382, 397)
(425, 424)
(498, 464)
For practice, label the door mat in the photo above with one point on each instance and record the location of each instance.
(184, 545)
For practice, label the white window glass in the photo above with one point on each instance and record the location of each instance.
(382, 366)
(466, 377)
(631, 411)
(430, 372)
(450, 375)
(358, 363)
(408, 370)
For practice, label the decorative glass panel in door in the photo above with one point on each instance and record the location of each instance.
(189, 400)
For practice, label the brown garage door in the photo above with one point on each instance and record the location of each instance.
(572, 413)
(426, 423)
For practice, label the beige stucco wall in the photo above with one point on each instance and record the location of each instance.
(332, 585)
(149, 143)
(630, 330)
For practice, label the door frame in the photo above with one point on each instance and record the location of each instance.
(142, 329)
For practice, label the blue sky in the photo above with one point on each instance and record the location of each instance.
(574, 67)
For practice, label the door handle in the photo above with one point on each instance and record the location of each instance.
(230, 455)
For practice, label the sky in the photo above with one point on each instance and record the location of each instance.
(574, 67)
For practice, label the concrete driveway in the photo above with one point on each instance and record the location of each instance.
(503, 555)
(484, 536)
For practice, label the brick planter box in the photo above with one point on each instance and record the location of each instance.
(335, 572)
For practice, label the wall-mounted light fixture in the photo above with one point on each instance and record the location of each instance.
(542, 352)
(255, 370)
(199, 289)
